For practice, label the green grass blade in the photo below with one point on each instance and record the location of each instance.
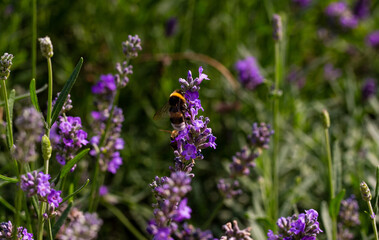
(326, 220)
(76, 192)
(33, 94)
(7, 204)
(334, 206)
(8, 179)
(26, 95)
(70, 164)
(58, 224)
(376, 191)
(65, 91)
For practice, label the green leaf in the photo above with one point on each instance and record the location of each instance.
(64, 93)
(58, 224)
(326, 220)
(334, 206)
(376, 191)
(7, 204)
(70, 164)
(33, 94)
(9, 131)
(26, 95)
(11, 98)
(76, 192)
(8, 179)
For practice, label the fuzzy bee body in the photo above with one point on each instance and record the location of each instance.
(176, 108)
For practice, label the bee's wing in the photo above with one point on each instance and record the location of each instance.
(162, 112)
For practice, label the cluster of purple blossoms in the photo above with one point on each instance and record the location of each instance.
(67, 106)
(305, 226)
(68, 137)
(244, 160)
(108, 151)
(37, 183)
(6, 232)
(234, 232)
(196, 135)
(346, 18)
(369, 88)
(171, 207)
(80, 226)
(348, 217)
(372, 39)
(30, 127)
(248, 72)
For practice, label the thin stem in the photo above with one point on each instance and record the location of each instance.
(50, 93)
(373, 222)
(213, 214)
(330, 179)
(124, 221)
(41, 222)
(7, 113)
(34, 38)
(50, 231)
(274, 163)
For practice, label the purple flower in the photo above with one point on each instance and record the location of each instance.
(362, 8)
(348, 21)
(171, 26)
(369, 88)
(132, 46)
(106, 85)
(67, 106)
(372, 39)
(103, 190)
(229, 190)
(80, 226)
(349, 212)
(6, 232)
(54, 198)
(114, 163)
(163, 234)
(336, 9)
(35, 183)
(248, 72)
(69, 138)
(30, 128)
(183, 211)
(304, 226)
(260, 137)
(189, 151)
(331, 73)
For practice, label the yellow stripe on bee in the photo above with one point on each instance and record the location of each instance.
(176, 94)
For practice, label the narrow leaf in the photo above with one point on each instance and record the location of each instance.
(7, 204)
(8, 179)
(326, 220)
(376, 191)
(334, 206)
(64, 93)
(58, 224)
(76, 192)
(9, 131)
(33, 94)
(26, 95)
(12, 95)
(70, 164)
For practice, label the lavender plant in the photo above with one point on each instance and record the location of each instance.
(171, 209)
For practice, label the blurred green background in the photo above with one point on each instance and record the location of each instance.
(225, 31)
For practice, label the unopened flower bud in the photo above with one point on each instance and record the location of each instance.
(365, 191)
(46, 47)
(5, 65)
(46, 148)
(277, 28)
(325, 118)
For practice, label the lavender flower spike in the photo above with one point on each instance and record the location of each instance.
(132, 46)
(248, 72)
(5, 66)
(7, 233)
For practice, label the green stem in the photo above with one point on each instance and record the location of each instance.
(50, 231)
(7, 113)
(124, 221)
(50, 93)
(213, 214)
(330, 179)
(274, 163)
(373, 222)
(34, 38)
(41, 221)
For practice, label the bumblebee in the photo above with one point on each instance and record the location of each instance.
(176, 107)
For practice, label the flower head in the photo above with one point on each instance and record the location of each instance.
(362, 8)
(260, 137)
(234, 232)
(132, 46)
(372, 39)
(369, 88)
(248, 72)
(46, 47)
(5, 66)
